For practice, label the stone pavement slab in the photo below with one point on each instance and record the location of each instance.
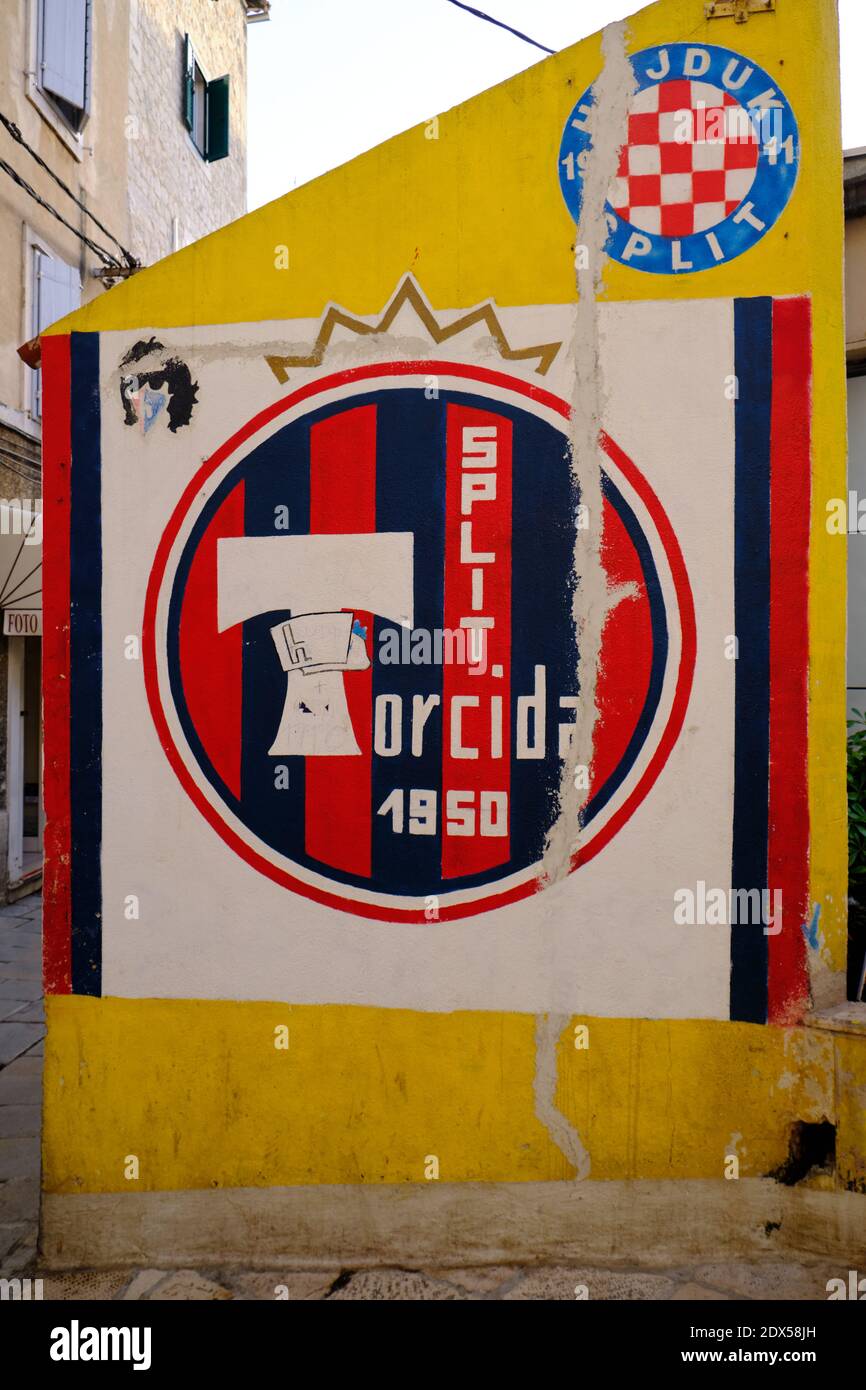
(22, 1029)
(785, 1281)
(394, 1284)
(13, 972)
(25, 907)
(99, 1285)
(481, 1281)
(17, 1038)
(578, 1284)
(19, 1158)
(21, 1082)
(11, 1235)
(746, 1280)
(304, 1285)
(187, 1285)
(692, 1293)
(28, 1011)
(19, 1200)
(8, 1007)
(20, 989)
(19, 946)
(20, 1121)
(142, 1282)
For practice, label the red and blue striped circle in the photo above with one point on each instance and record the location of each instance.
(373, 450)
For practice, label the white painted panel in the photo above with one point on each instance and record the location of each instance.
(213, 927)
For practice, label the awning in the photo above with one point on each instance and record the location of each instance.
(21, 567)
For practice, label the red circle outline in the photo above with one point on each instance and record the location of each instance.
(672, 729)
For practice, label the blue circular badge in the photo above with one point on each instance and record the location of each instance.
(710, 160)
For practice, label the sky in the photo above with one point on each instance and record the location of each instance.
(331, 78)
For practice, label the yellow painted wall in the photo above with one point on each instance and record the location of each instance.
(200, 1094)
(197, 1089)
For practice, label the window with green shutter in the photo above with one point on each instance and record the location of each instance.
(205, 107)
(218, 118)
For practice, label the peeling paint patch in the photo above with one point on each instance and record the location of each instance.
(140, 393)
(827, 986)
(810, 929)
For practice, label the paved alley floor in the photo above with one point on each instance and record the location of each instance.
(22, 1029)
(722, 1281)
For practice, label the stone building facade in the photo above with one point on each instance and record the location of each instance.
(172, 195)
(138, 107)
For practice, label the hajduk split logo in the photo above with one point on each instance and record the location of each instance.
(709, 162)
(303, 660)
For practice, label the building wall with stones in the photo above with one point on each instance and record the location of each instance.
(175, 196)
(132, 163)
(93, 165)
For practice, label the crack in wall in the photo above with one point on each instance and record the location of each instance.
(548, 1030)
(592, 600)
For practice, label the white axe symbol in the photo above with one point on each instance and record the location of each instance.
(315, 578)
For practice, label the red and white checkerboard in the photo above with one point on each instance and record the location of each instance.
(689, 161)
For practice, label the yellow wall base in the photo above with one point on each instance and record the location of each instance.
(200, 1096)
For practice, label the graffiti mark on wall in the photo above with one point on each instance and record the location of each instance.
(159, 382)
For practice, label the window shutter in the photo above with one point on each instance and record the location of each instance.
(188, 95)
(56, 292)
(217, 119)
(63, 50)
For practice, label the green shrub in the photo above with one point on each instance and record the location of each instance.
(857, 805)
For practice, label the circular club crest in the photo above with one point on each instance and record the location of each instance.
(359, 643)
(710, 160)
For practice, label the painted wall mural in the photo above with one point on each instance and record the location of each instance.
(361, 645)
(708, 164)
(448, 657)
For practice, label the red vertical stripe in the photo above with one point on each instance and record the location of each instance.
(56, 467)
(211, 661)
(790, 472)
(625, 665)
(338, 814)
(477, 587)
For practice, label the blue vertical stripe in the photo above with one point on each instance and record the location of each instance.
(410, 496)
(542, 628)
(753, 366)
(85, 650)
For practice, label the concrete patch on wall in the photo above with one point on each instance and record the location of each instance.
(548, 1033)
(592, 597)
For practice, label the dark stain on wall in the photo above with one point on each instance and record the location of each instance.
(168, 373)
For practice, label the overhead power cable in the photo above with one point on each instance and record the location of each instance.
(7, 465)
(7, 451)
(105, 256)
(479, 14)
(128, 257)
